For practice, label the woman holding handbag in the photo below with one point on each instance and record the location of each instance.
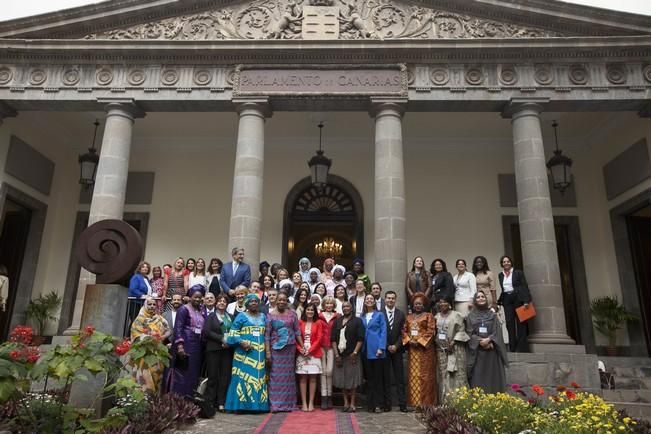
(515, 293)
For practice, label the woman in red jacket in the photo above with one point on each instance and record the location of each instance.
(308, 362)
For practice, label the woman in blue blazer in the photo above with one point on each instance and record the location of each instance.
(139, 288)
(374, 351)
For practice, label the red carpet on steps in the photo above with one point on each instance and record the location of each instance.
(318, 421)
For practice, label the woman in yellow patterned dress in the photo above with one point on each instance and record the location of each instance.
(418, 338)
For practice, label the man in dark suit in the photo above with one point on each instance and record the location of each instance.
(395, 320)
(235, 273)
(376, 292)
(515, 293)
(170, 315)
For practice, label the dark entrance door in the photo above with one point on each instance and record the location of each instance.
(15, 222)
(313, 215)
(639, 230)
(572, 316)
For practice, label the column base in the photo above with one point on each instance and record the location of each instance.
(557, 348)
(550, 338)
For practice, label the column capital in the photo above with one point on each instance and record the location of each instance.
(387, 106)
(126, 107)
(259, 106)
(6, 111)
(519, 105)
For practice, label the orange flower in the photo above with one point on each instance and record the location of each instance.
(561, 388)
(575, 385)
(538, 390)
(570, 394)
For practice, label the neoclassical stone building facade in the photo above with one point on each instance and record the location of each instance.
(437, 116)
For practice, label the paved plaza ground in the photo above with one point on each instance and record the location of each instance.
(369, 423)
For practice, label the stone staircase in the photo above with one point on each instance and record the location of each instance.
(632, 391)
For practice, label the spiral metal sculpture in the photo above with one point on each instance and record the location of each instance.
(110, 249)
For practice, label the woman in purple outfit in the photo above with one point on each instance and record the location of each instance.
(187, 348)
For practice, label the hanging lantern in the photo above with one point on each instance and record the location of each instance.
(88, 163)
(319, 164)
(560, 166)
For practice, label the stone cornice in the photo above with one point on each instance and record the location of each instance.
(553, 15)
(568, 85)
(336, 51)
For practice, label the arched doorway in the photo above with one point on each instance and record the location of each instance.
(312, 214)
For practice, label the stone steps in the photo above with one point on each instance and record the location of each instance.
(632, 377)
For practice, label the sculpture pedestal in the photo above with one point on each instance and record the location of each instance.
(105, 308)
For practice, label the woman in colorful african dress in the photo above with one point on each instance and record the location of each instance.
(418, 338)
(149, 323)
(282, 332)
(451, 342)
(248, 388)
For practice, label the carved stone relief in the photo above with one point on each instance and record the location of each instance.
(356, 19)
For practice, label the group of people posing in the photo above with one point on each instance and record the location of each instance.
(258, 342)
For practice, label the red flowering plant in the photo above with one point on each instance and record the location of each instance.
(17, 358)
(537, 396)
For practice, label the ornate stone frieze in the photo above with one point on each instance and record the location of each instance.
(293, 19)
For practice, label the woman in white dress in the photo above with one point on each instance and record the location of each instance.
(308, 362)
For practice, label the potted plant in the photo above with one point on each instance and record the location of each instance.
(41, 310)
(608, 316)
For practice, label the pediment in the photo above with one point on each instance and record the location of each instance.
(322, 20)
(326, 19)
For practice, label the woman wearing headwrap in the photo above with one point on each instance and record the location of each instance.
(187, 347)
(451, 342)
(248, 388)
(337, 279)
(304, 266)
(418, 338)
(326, 273)
(281, 333)
(149, 324)
(486, 351)
(315, 278)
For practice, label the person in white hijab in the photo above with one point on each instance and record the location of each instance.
(304, 266)
(315, 278)
(338, 272)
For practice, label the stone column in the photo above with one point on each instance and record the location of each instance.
(110, 183)
(390, 210)
(537, 233)
(246, 205)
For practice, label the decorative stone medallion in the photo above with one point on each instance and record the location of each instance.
(169, 77)
(202, 77)
(544, 75)
(578, 74)
(439, 76)
(70, 77)
(37, 77)
(508, 75)
(104, 76)
(136, 77)
(6, 74)
(616, 74)
(474, 76)
(646, 73)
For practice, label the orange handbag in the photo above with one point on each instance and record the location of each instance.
(525, 313)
